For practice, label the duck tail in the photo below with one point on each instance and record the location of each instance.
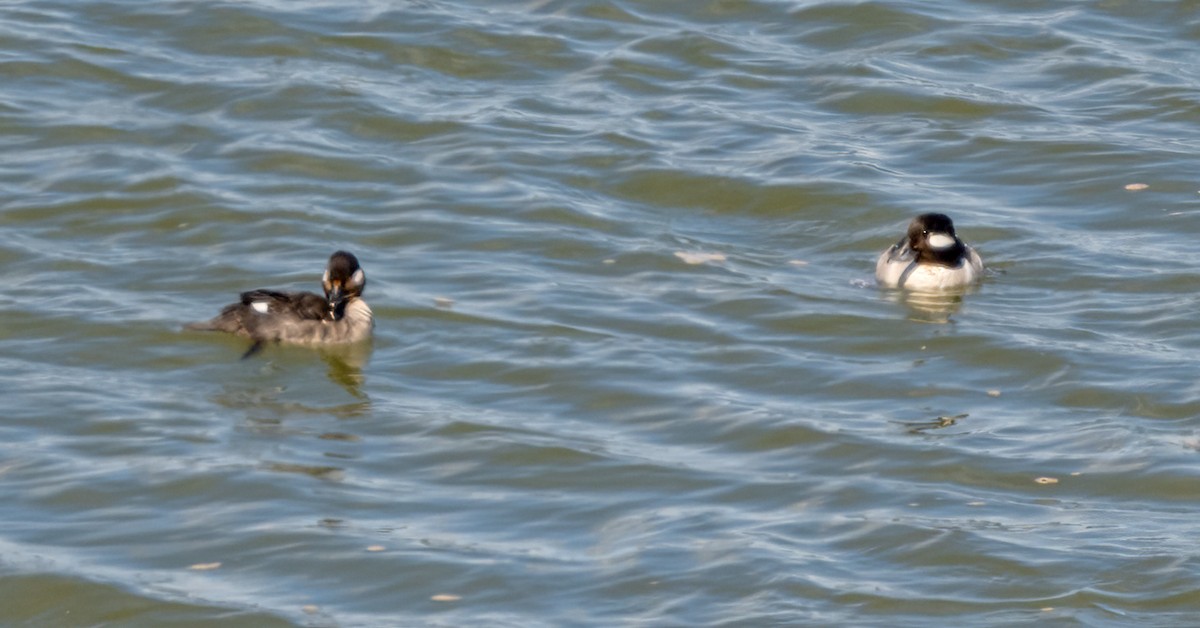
(229, 320)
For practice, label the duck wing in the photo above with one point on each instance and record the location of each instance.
(895, 264)
(258, 313)
(295, 305)
(268, 315)
(901, 252)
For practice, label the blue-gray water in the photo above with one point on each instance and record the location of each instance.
(562, 421)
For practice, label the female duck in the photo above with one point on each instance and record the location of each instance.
(929, 257)
(340, 317)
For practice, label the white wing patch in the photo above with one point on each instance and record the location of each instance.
(260, 306)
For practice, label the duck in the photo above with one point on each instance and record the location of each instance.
(339, 317)
(930, 257)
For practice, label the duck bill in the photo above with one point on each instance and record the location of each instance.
(335, 297)
(940, 241)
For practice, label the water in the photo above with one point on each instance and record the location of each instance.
(561, 421)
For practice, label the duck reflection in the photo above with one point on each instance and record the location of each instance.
(345, 366)
(934, 307)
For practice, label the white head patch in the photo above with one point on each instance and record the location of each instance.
(260, 306)
(940, 241)
(357, 278)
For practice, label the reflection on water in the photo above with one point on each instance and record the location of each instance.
(253, 399)
(930, 306)
(346, 364)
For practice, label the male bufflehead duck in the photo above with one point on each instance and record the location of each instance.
(929, 257)
(340, 317)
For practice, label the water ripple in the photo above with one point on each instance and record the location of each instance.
(629, 356)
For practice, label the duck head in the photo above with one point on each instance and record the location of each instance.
(932, 237)
(343, 280)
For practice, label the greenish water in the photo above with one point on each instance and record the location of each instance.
(561, 421)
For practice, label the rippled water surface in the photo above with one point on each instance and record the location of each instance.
(630, 365)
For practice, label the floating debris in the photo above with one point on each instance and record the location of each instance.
(375, 548)
(1046, 480)
(311, 609)
(947, 421)
(916, 427)
(1135, 187)
(446, 597)
(443, 302)
(339, 436)
(993, 393)
(976, 504)
(609, 261)
(699, 258)
(798, 262)
(205, 566)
